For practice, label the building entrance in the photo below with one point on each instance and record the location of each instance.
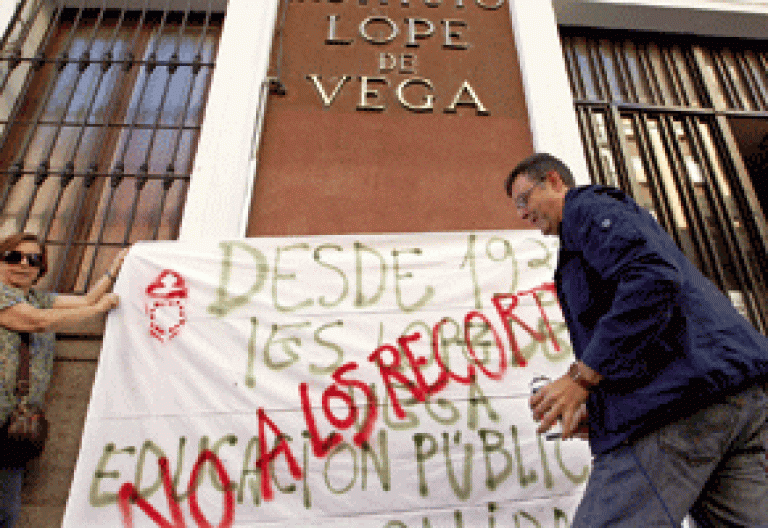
(751, 135)
(681, 124)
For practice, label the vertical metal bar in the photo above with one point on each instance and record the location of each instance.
(150, 66)
(17, 167)
(657, 190)
(753, 90)
(676, 78)
(609, 54)
(574, 75)
(118, 171)
(698, 77)
(618, 71)
(37, 64)
(726, 81)
(707, 83)
(685, 194)
(715, 205)
(168, 178)
(600, 93)
(601, 53)
(589, 141)
(280, 33)
(662, 72)
(649, 76)
(754, 223)
(15, 56)
(26, 24)
(762, 71)
(141, 180)
(631, 81)
(627, 82)
(88, 182)
(43, 168)
(615, 131)
(67, 174)
(184, 181)
(93, 166)
(579, 74)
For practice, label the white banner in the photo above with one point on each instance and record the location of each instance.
(382, 379)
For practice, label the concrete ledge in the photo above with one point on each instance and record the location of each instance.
(40, 517)
(92, 327)
(78, 349)
(714, 18)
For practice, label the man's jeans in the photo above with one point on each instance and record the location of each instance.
(711, 463)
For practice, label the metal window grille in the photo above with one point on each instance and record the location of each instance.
(656, 116)
(100, 111)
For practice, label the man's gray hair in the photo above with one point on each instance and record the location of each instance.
(536, 168)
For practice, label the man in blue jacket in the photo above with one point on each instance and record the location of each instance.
(671, 374)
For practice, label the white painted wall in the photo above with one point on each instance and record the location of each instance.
(547, 90)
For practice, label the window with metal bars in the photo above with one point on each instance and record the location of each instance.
(100, 112)
(672, 121)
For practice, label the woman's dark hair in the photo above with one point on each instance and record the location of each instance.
(11, 242)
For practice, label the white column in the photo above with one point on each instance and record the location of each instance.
(545, 80)
(6, 12)
(220, 189)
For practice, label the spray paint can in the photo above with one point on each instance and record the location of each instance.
(537, 383)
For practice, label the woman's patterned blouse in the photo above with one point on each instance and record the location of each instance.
(41, 352)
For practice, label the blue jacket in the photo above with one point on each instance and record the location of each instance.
(666, 340)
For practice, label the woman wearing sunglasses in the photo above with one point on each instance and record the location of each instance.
(29, 314)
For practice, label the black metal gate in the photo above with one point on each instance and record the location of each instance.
(681, 124)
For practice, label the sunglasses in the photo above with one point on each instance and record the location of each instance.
(15, 257)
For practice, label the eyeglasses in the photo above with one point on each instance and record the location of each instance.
(521, 202)
(15, 257)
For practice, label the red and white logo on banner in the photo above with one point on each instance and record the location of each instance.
(167, 305)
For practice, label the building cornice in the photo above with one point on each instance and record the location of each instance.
(743, 19)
